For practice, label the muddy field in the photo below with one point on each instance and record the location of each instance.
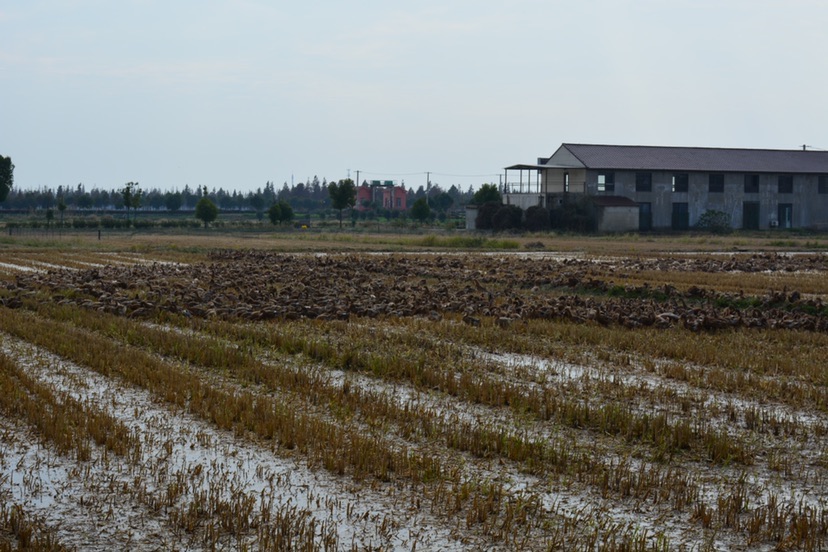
(249, 399)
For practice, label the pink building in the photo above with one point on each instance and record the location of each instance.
(394, 198)
(364, 197)
(383, 194)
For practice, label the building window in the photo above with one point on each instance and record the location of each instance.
(785, 184)
(680, 182)
(716, 183)
(644, 182)
(606, 182)
(751, 183)
(822, 184)
(566, 182)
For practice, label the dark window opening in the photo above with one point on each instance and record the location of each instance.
(785, 184)
(822, 184)
(644, 182)
(716, 184)
(606, 182)
(680, 182)
(751, 183)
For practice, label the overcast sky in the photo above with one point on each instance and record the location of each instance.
(236, 93)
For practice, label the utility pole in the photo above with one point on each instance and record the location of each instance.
(428, 184)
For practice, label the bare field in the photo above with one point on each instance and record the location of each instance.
(189, 394)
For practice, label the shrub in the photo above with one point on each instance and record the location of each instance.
(575, 216)
(111, 222)
(84, 222)
(537, 219)
(507, 217)
(485, 214)
(716, 222)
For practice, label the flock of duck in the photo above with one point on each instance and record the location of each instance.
(261, 285)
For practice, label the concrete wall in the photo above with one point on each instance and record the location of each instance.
(809, 208)
(524, 201)
(552, 180)
(564, 157)
(617, 219)
(471, 217)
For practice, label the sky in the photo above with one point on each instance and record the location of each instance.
(235, 93)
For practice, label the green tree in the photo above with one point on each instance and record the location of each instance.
(441, 202)
(206, 211)
(420, 211)
(280, 212)
(285, 210)
(343, 196)
(275, 214)
(487, 193)
(257, 201)
(173, 201)
(132, 195)
(6, 177)
(61, 205)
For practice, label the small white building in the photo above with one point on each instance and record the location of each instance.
(471, 217)
(615, 214)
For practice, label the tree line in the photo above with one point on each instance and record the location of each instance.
(307, 197)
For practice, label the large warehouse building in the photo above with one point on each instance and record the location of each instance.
(673, 186)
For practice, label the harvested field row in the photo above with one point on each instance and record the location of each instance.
(401, 380)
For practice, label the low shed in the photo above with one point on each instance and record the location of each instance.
(471, 217)
(616, 214)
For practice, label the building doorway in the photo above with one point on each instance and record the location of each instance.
(645, 216)
(750, 215)
(681, 216)
(786, 215)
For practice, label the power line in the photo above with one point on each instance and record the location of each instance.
(464, 175)
(427, 173)
(392, 174)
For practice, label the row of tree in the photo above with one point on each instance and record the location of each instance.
(304, 197)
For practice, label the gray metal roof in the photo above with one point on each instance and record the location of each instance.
(529, 166)
(665, 158)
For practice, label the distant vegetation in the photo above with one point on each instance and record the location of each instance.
(310, 197)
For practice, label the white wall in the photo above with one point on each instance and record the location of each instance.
(618, 219)
(524, 201)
